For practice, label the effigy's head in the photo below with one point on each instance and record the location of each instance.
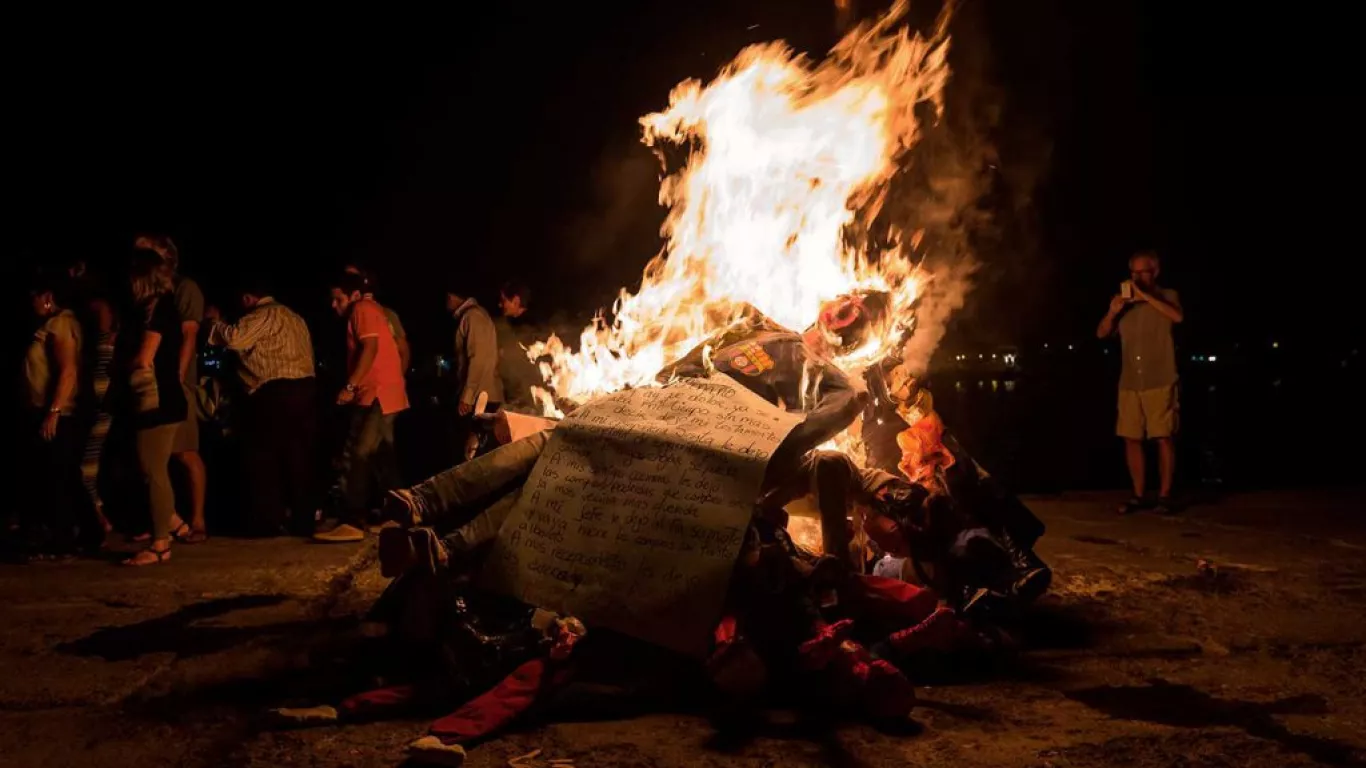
(850, 321)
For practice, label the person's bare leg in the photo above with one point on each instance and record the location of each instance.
(1166, 464)
(197, 479)
(1137, 469)
(1133, 456)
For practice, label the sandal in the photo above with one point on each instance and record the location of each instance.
(185, 534)
(195, 536)
(158, 556)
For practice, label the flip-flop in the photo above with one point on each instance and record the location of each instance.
(162, 556)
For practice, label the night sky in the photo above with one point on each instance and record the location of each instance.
(504, 143)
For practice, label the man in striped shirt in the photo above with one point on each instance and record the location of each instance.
(275, 353)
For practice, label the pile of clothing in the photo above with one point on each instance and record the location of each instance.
(817, 628)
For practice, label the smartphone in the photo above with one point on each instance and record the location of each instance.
(1126, 289)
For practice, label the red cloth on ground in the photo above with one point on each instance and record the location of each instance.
(887, 693)
(819, 651)
(379, 701)
(942, 631)
(500, 705)
(877, 686)
(891, 600)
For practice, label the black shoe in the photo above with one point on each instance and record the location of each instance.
(1164, 506)
(1032, 584)
(1032, 575)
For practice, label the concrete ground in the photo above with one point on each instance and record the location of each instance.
(1136, 658)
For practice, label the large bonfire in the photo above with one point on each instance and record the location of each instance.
(788, 163)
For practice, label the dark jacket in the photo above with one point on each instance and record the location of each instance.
(777, 365)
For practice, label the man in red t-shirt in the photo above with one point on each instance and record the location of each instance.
(374, 394)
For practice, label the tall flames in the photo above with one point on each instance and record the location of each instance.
(788, 163)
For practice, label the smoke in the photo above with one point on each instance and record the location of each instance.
(621, 214)
(944, 295)
(967, 213)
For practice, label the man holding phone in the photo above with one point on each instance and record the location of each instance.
(1143, 314)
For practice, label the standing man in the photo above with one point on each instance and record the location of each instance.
(374, 395)
(516, 371)
(405, 354)
(189, 303)
(475, 365)
(1144, 314)
(275, 352)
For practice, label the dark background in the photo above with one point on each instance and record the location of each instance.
(493, 144)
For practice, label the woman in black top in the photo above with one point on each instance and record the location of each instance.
(156, 401)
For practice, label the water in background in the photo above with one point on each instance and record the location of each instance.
(1250, 418)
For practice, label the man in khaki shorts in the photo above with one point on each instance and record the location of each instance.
(1144, 314)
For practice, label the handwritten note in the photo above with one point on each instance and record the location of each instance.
(635, 513)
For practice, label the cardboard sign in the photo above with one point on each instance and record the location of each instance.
(635, 513)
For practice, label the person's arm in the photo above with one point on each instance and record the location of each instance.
(1107, 324)
(189, 341)
(64, 354)
(405, 354)
(239, 336)
(1171, 309)
(369, 348)
(481, 345)
(189, 302)
(366, 323)
(837, 405)
(147, 352)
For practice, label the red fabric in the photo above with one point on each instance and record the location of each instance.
(892, 600)
(725, 633)
(735, 669)
(819, 651)
(384, 380)
(498, 706)
(942, 631)
(887, 693)
(875, 685)
(379, 701)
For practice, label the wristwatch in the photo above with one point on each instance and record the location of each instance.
(54, 410)
(350, 387)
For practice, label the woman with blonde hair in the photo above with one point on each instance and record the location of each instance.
(156, 401)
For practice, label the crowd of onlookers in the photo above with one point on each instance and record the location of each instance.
(114, 402)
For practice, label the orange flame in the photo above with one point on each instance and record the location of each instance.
(787, 159)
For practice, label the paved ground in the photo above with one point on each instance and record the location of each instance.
(1136, 659)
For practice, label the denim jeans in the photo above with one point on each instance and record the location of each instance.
(474, 498)
(368, 460)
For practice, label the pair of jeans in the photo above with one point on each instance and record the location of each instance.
(277, 454)
(368, 461)
(474, 498)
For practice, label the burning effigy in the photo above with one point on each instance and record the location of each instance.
(729, 454)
